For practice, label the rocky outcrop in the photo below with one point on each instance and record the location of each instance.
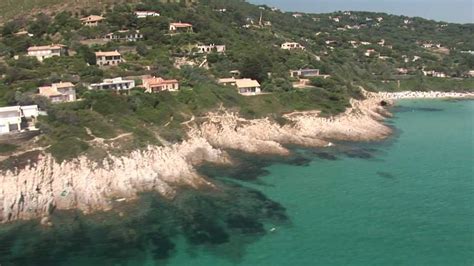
(361, 122)
(81, 184)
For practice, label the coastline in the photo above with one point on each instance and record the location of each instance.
(38, 190)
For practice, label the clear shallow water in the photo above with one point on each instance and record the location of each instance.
(406, 201)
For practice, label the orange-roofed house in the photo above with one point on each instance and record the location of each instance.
(92, 20)
(47, 51)
(111, 58)
(154, 84)
(181, 27)
(59, 92)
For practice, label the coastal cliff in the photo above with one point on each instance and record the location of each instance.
(45, 186)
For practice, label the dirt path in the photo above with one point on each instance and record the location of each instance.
(102, 140)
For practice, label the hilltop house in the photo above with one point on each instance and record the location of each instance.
(402, 71)
(111, 58)
(211, 48)
(115, 84)
(59, 92)
(435, 74)
(145, 14)
(431, 45)
(292, 46)
(370, 52)
(48, 51)
(244, 86)
(17, 118)
(154, 84)
(305, 73)
(125, 35)
(248, 87)
(92, 20)
(180, 27)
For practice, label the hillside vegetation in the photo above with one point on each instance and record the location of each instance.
(252, 34)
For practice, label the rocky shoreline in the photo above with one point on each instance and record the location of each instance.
(39, 189)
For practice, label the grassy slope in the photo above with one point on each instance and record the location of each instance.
(15, 8)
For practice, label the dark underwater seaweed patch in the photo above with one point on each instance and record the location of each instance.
(359, 153)
(385, 175)
(404, 109)
(148, 226)
(325, 155)
(245, 224)
(252, 167)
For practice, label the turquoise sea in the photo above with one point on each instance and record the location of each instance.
(408, 200)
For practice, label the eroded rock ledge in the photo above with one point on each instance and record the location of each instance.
(41, 188)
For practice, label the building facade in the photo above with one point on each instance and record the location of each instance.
(48, 51)
(211, 48)
(92, 20)
(128, 36)
(17, 118)
(111, 58)
(292, 46)
(180, 27)
(304, 73)
(244, 86)
(59, 92)
(116, 84)
(154, 84)
(145, 14)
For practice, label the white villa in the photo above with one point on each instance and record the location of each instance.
(292, 46)
(12, 118)
(211, 48)
(59, 92)
(47, 51)
(180, 27)
(111, 58)
(115, 84)
(145, 14)
(245, 87)
(434, 74)
(248, 86)
(125, 35)
(92, 20)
